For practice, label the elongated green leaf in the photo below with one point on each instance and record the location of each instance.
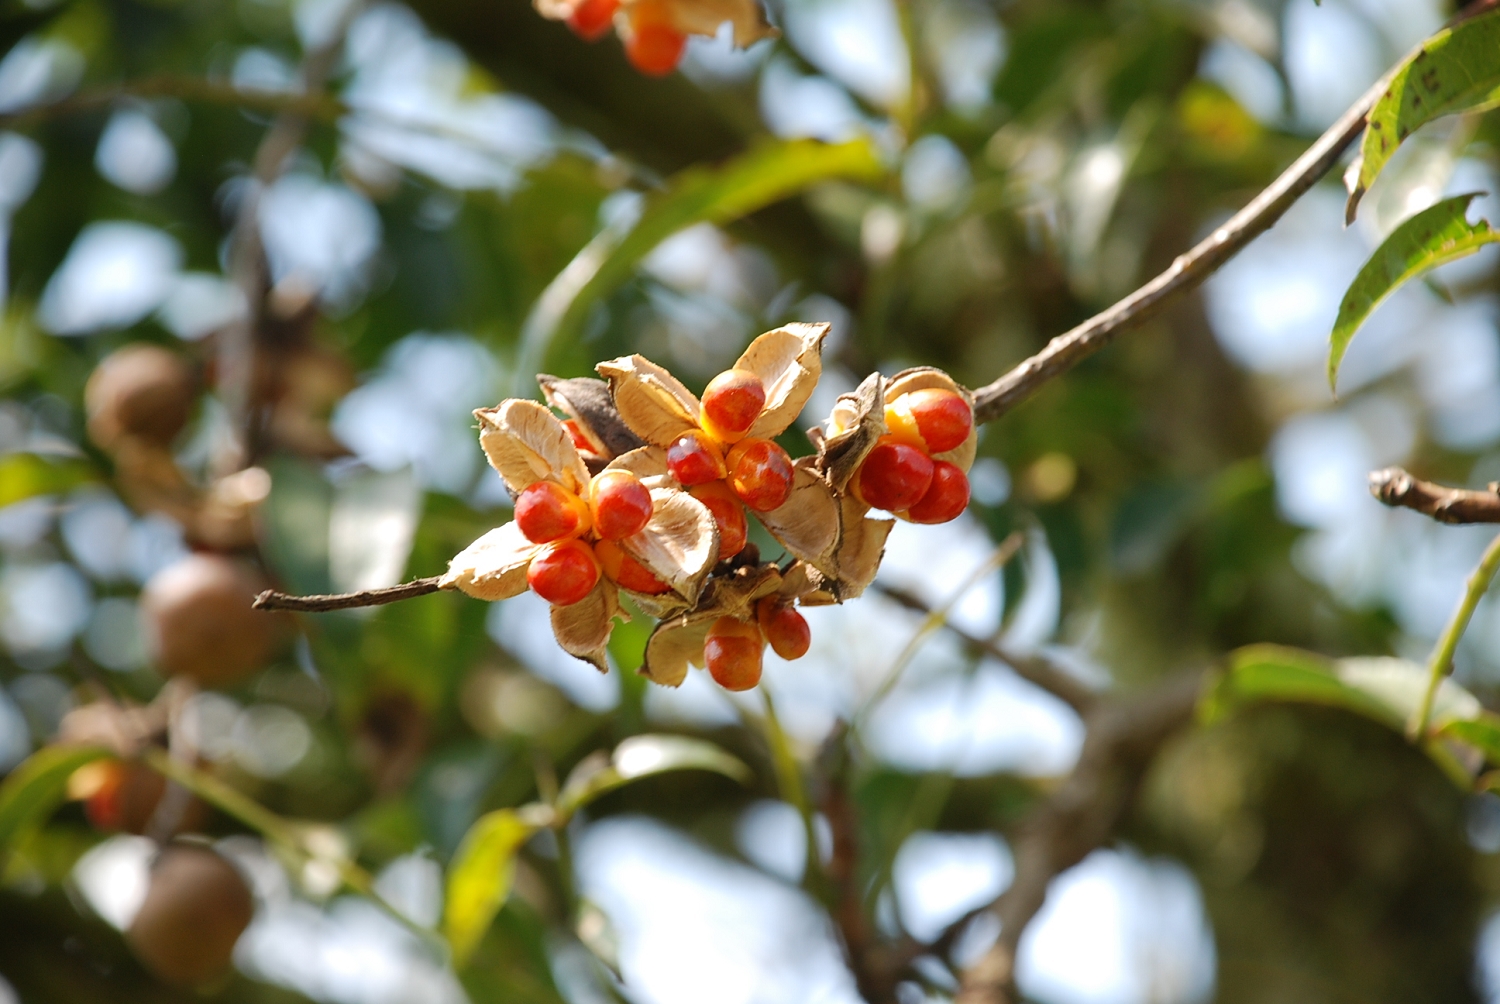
(1435, 236)
(768, 174)
(481, 874)
(1456, 70)
(643, 756)
(36, 787)
(1482, 733)
(24, 475)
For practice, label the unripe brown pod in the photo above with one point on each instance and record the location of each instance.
(196, 908)
(127, 795)
(142, 391)
(199, 623)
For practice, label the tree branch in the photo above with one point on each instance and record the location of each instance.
(1122, 740)
(1186, 273)
(273, 600)
(1396, 488)
(1035, 669)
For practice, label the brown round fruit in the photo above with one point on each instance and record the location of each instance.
(140, 390)
(127, 795)
(196, 908)
(199, 623)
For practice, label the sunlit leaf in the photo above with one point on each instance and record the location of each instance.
(1482, 733)
(26, 475)
(36, 787)
(480, 877)
(643, 756)
(1433, 237)
(1456, 70)
(719, 195)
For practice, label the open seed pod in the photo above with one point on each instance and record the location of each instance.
(854, 427)
(197, 905)
(928, 377)
(677, 641)
(590, 408)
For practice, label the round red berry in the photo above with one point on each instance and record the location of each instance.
(546, 511)
(592, 18)
(894, 476)
(783, 627)
(619, 504)
(729, 514)
(564, 572)
(694, 460)
(625, 571)
(732, 402)
(943, 418)
(653, 45)
(733, 652)
(760, 472)
(945, 499)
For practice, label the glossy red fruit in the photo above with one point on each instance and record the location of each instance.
(783, 627)
(580, 441)
(945, 499)
(732, 652)
(196, 908)
(563, 572)
(732, 402)
(625, 571)
(619, 503)
(592, 18)
(729, 514)
(894, 476)
(546, 511)
(694, 459)
(943, 418)
(760, 472)
(653, 45)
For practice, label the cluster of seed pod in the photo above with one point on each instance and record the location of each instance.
(655, 32)
(644, 488)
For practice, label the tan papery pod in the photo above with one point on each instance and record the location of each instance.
(678, 642)
(652, 402)
(588, 403)
(494, 566)
(807, 524)
(860, 549)
(679, 545)
(526, 443)
(789, 361)
(649, 462)
(583, 628)
(924, 378)
(853, 429)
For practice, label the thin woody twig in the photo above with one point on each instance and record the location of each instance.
(273, 600)
(1396, 488)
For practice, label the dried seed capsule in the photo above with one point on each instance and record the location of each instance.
(199, 623)
(760, 472)
(729, 514)
(625, 571)
(732, 402)
(563, 572)
(654, 46)
(894, 476)
(546, 511)
(196, 908)
(733, 652)
(592, 18)
(783, 627)
(580, 441)
(140, 390)
(937, 420)
(619, 503)
(694, 459)
(945, 499)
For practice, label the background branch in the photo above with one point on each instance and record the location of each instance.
(1396, 488)
(273, 600)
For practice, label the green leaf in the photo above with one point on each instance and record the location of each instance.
(1482, 733)
(26, 475)
(31, 792)
(765, 175)
(1456, 70)
(643, 756)
(481, 874)
(1435, 236)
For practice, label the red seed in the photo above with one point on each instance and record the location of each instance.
(564, 572)
(945, 499)
(546, 511)
(894, 476)
(625, 571)
(653, 45)
(619, 503)
(580, 441)
(729, 514)
(592, 18)
(732, 652)
(943, 418)
(760, 472)
(694, 460)
(732, 402)
(784, 628)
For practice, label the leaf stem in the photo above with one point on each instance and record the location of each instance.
(1441, 663)
(789, 784)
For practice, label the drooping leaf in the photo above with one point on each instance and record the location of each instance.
(719, 195)
(481, 874)
(1436, 236)
(643, 756)
(1456, 70)
(36, 787)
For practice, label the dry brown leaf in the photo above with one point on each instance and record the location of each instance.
(807, 524)
(703, 17)
(652, 402)
(588, 403)
(526, 443)
(854, 427)
(582, 629)
(923, 378)
(679, 545)
(788, 361)
(494, 566)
